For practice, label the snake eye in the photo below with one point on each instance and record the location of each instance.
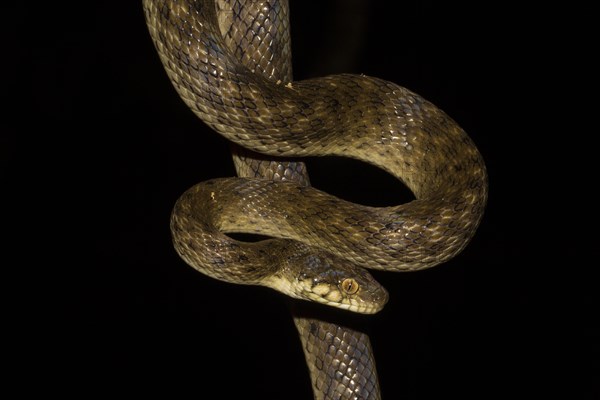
(350, 286)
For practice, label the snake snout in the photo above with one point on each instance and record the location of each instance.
(325, 278)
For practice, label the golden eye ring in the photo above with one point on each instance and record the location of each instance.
(350, 286)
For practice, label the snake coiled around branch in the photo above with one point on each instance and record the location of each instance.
(321, 243)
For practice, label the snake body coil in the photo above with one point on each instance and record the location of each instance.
(324, 242)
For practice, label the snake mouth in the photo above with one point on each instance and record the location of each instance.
(361, 302)
(350, 297)
(357, 307)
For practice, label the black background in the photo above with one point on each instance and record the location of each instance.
(99, 147)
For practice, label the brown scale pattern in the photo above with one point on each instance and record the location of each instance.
(235, 78)
(349, 353)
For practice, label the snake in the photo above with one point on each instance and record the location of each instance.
(230, 62)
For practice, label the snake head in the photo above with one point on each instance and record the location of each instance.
(313, 274)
